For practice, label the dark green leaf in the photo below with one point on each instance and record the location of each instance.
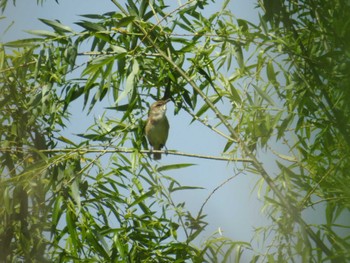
(123, 22)
(94, 27)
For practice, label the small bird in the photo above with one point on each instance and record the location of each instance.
(157, 127)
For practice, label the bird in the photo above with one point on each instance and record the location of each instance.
(157, 127)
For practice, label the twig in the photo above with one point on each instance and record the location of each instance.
(125, 150)
(213, 192)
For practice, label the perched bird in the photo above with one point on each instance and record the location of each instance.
(157, 127)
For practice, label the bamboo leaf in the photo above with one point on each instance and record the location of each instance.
(239, 56)
(130, 82)
(123, 22)
(76, 193)
(174, 167)
(56, 25)
(2, 56)
(270, 72)
(29, 42)
(264, 95)
(43, 33)
(94, 27)
(235, 95)
(180, 188)
(66, 140)
(57, 211)
(142, 198)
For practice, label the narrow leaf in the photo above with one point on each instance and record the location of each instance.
(91, 26)
(264, 95)
(66, 140)
(130, 81)
(270, 72)
(125, 21)
(76, 193)
(142, 198)
(56, 25)
(174, 166)
(43, 33)
(186, 188)
(24, 42)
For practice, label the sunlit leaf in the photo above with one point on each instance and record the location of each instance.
(129, 84)
(29, 42)
(264, 95)
(43, 33)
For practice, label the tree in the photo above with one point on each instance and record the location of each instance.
(286, 79)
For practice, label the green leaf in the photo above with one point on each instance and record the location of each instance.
(57, 26)
(2, 56)
(120, 245)
(57, 211)
(208, 78)
(264, 95)
(214, 99)
(130, 82)
(142, 198)
(284, 125)
(224, 5)
(96, 243)
(235, 95)
(270, 72)
(132, 7)
(93, 16)
(228, 145)
(125, 21)
(174, 166)
(66, 140)
(72, 230)
(90, 26)
(43, 33)
(243, 24)
(195, 233)
(180, 188)
(239, 55)
(76, 193)
(29, 42)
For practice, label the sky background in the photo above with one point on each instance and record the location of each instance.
(235, 208)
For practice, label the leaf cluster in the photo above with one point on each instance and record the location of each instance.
(278, 88)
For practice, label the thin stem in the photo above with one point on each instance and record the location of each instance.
(126, 150)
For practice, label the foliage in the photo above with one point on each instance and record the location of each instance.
(287, 82)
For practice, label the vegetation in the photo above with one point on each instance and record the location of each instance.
(103, 200)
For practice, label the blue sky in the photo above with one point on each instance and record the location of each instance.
(235, 209)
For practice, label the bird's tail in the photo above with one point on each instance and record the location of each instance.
(157, 156)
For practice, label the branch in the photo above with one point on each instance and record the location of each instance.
(125, 150)
(213, 192)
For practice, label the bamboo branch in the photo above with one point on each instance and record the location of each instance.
(126, 150)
